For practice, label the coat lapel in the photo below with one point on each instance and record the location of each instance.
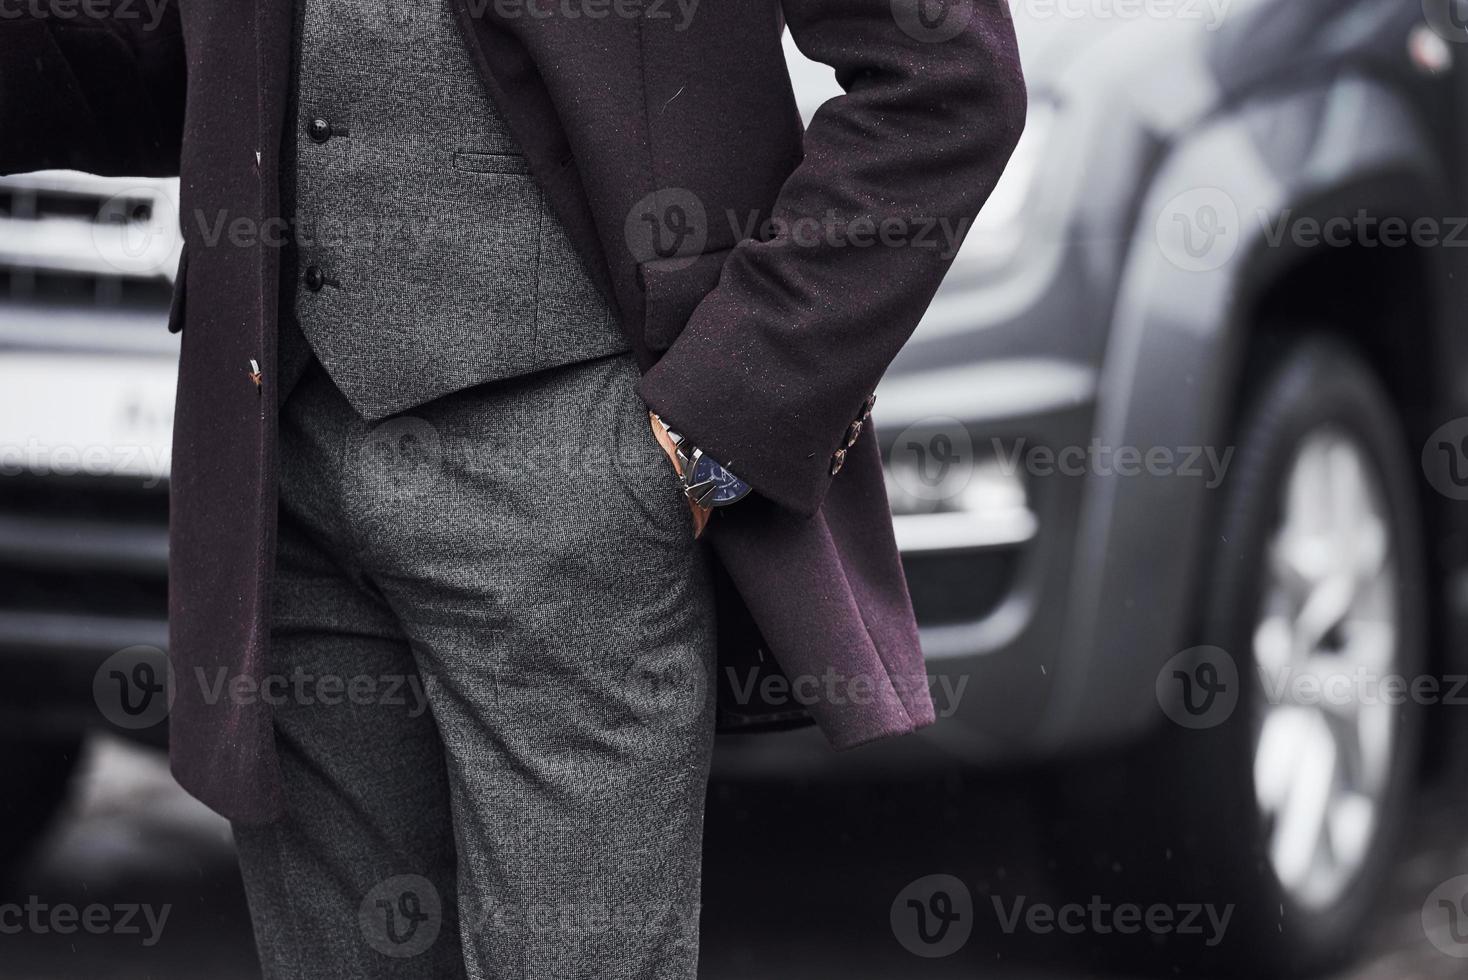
(274, 44)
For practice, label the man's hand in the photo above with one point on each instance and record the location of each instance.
(660, 433)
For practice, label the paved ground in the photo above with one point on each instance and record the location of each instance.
(800, 884)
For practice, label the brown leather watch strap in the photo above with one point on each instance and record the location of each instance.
(701, 513)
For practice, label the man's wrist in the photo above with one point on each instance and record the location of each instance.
(707, 483)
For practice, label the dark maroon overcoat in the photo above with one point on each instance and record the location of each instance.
(759, 342)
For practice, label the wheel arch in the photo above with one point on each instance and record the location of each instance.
(1179, 351)
(1383, 306)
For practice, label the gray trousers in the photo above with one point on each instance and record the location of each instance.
(491, 671)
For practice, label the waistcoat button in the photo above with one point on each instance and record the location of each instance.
(314, 278)
(319, 130)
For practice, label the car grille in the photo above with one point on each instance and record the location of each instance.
(86, 262)
(83, 574)
(86, 268)
(83, 289)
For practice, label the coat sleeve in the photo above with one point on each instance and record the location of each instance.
(777, 360)
(95, 86)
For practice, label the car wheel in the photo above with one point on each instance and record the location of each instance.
(1282, 810)
(37, 774)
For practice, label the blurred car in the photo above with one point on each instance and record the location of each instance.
(1156, 460)
(1153, 446)
(87, 376)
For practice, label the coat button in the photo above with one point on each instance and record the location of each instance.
(319, 130)
(838, 460)
(315, 279)
(868, 405)
(853, 432)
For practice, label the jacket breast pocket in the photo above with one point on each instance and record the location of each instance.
(180, 282)
(491, 163)
(673, 288)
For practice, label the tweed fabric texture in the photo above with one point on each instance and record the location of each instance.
(529, 749)
(440, 265)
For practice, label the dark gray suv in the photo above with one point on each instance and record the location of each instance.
(1175, 458)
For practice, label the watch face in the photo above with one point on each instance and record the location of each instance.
(727, 487)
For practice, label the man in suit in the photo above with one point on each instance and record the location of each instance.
(544, 402)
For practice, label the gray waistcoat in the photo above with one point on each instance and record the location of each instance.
(427, 259)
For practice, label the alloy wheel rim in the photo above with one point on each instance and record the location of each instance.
(1325, 644)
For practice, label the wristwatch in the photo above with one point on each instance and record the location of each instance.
(705, 482)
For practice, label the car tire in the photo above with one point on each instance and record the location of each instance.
(1221, 810)
(38, 773)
